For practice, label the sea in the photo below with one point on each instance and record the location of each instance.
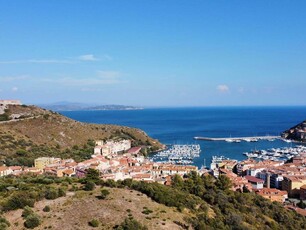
(180, 126)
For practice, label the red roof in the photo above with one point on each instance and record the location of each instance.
(134, 150)
(254, 179)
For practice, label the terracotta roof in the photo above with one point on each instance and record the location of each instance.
(134, 150)
(254, 179)
(3, 168)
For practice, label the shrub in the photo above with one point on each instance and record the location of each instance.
(104, 193)
(17, 201)
(131, 224)
(47, 208)
(93, 223)
(27, 211)
(32, 221)
(4, 224)
(51, 194)
(89, 186)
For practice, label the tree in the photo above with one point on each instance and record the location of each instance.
(223, 182)
(92, 175)
(177, 181)
(301, 204)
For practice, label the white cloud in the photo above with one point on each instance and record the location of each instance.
(223, 88)
(88, 57)
(13, 78)
(72, 60)
(14, 89)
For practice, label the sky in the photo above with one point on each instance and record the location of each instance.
(154, 52)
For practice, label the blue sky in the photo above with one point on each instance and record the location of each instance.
(154, 52)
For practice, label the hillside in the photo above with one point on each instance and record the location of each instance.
(296, 133)
(197, 202)
(76, 209)
(30, 131)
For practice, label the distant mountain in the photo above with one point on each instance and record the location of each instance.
(75, 106)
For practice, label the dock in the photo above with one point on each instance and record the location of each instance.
(235, 139)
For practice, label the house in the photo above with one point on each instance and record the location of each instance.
(292, 185)
(68, 173)
(273, 194)
(142, 177)
(303, 192)
(98, 150)
(42, 162)
(134, 150)
(5, 171)
(255, 182)
(16, 169)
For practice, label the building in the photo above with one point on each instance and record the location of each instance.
(42, 162)
(276, 181)
(4, 171)
(111, 147)
(303, 192)
(292, 185)
(255, 182)
(273, 194)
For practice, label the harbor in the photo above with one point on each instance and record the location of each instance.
(178, 154)
(239, 139)
(276, 154)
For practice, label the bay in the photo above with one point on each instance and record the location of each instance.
(181, 125)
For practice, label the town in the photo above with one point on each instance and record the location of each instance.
(118, 160)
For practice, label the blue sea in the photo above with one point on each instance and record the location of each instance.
(181, 125)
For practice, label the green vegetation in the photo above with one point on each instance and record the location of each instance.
(209, 201)
(27, 211)
(130, 224)
(26, 190)
(94, 223)
(32, 221)
(104, 193)
(4, 117)
(51, 134)
(47, 208)
(25, 152)
(215, 206)
(4, 224)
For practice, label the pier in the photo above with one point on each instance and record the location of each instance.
(235, 139)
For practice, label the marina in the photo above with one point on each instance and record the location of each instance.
(276, 154)
(178, 154)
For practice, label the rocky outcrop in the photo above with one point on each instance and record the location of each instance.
(296, 133)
